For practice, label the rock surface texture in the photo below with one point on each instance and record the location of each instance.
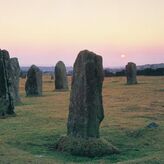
(6, 85)
(86, 109)
(61, 82)
(16, 74)
(33, 84)
(131, 73)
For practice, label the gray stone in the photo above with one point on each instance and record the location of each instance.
(16, 74)
(86, 108)
(61, 82)
(33, 84)
(6, 85)
(153, 125)
(131, 73)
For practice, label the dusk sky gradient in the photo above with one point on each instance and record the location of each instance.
(42, 32)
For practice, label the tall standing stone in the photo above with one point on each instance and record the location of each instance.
(33, 84)
(16, 74)
(86, 109)
(131, 73)
(61, 82)
(6, 88)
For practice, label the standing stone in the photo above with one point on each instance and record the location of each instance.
(61, 82)
(86, 110)
(6, 88)
(16, 74)
(33, 84)
(52, 76)
(131, 72)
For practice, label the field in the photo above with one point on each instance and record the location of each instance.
(31, 135)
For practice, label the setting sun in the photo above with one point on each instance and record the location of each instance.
(123, 55)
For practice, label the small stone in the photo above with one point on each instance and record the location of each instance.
(61, 81)
(52, 77)
(131, 73)
(152, 125)
(33, 84)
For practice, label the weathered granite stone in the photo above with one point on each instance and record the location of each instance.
(131, 72)
(33, 84)
(61, 82)
(6, 85)
(86, 108)
(16, 74)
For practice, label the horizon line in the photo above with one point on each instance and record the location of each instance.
(104, 66)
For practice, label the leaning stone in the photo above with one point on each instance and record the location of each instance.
(86, 109)
(33, 84)
(16, 74)
(61, 81)
(6, 85)
(131, 73)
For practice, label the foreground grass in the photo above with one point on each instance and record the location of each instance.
(31, 135)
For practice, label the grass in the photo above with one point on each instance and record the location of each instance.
(31, 135)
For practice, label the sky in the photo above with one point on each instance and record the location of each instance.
(43, 32)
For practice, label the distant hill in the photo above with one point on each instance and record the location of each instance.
(139, 67)
(45, 69)
(152, 66)
(110, 69)
(145, 70)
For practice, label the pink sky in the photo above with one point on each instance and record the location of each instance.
(42, 32)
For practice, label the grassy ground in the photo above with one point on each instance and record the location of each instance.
(30, 136)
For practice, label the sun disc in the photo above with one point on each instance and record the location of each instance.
(123, 55)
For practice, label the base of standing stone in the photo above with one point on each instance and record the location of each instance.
(92, 147)
(7, 115)
(34, 95)
(132, 83)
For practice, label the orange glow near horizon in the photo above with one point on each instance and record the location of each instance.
(51, 30)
